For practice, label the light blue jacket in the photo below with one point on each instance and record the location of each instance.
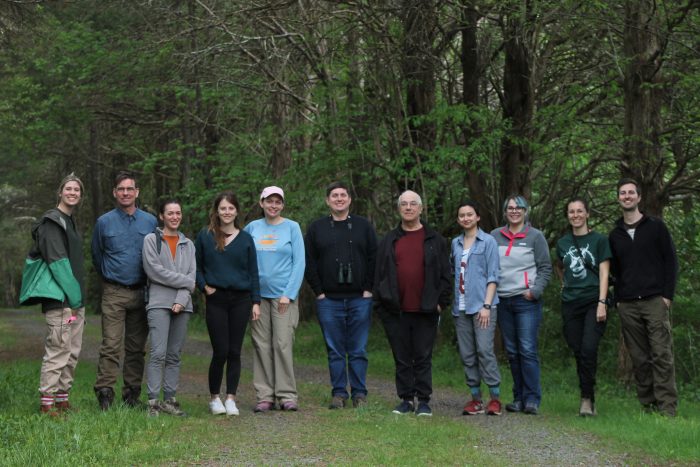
(482, 269)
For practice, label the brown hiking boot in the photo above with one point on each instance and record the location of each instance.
(359, 402)
(64, 406)
(337, 402)
(48, 410)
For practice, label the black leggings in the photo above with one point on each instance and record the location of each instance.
(228, 313)
(583, 334)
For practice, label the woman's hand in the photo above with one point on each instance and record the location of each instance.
(283, 305)
(484, 317)
(177, 308)
(256, 312)
(601, 313)
(528, 296)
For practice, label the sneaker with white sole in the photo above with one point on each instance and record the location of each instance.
(172, 406)
(424, 410)
(587, 409)
(216, 407)
(405, 407)
(231, 408)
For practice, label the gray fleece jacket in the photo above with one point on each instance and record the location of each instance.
(170, 281)
(525, 261)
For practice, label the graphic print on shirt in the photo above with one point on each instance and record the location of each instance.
(268, 242)
(576, 262)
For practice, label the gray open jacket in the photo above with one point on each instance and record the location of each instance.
(169, 281)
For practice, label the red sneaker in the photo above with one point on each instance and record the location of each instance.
(494, 407)
(473, 407)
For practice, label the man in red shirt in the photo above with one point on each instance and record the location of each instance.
(411, 286)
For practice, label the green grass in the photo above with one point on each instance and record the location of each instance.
(621, 424)
(127, 437)
(314, 435)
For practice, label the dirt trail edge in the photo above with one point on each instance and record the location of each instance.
(519, 439)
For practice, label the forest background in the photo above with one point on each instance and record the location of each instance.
(450, 98)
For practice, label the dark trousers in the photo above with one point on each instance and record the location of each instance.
(583, 333)
(411, 337)
(228, 313)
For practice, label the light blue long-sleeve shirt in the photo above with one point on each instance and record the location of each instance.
(117, 242)
(281, 257)
(482, 269)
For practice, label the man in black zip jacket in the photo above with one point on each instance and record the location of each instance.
(645, 267)
(340, 252)
(412, 285)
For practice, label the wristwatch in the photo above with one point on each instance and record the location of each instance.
(487, 306)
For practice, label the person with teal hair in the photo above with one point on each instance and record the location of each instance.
(525, 270)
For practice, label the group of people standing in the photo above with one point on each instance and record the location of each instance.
(255, 273)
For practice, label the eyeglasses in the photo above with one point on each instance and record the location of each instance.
(125, 189)
(515, 208)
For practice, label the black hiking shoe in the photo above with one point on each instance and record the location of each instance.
(130, 396)
(105, 398)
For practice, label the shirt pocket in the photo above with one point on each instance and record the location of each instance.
(115, 240)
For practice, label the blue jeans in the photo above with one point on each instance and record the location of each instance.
(345, 325)
(519, 320)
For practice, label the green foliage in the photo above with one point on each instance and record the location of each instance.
(198, 100)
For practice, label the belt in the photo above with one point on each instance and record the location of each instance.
(138, 286)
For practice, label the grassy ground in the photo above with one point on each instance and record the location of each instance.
(620, 422)
(314, 435)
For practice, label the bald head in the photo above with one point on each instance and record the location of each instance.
(409, 196)
(410, 209)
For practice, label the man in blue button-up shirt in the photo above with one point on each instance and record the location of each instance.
(117, 243)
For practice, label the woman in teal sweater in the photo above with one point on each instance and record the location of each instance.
(227, 272)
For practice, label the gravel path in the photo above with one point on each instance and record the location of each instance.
(520, 439)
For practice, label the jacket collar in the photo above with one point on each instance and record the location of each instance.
(480, 235)
(513, 236)
(401, 232)
(620, 223)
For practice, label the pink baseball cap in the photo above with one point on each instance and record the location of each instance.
(272, 190)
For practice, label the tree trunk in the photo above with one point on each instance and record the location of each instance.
(94, 180)
(476, 176)
(642, 159)
(419, 21)
(518, 106)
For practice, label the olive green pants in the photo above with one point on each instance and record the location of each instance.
(124, 329)
(646, 328)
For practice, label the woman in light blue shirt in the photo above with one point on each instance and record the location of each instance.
(281, 262)
(475, 264)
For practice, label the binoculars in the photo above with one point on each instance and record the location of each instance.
(344, 273)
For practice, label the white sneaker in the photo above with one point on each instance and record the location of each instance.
(231, 408)
(216, 407)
